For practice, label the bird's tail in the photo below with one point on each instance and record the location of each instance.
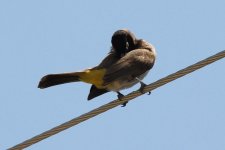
(56, 79)
(89, 76)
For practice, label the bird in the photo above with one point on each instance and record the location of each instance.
(127, 63)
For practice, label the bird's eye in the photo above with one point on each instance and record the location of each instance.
(127, 45)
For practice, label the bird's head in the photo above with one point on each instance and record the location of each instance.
(123, 41)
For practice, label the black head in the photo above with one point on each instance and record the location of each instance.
(123, 41)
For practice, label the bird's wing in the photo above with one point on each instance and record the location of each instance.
(109, 60)
(95, 92)
(133, 64)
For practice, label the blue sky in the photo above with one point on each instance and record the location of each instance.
(52, 36)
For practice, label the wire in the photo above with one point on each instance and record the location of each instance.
(117, 102)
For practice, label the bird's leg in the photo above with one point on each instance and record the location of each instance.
(120, 96)
(143, 85)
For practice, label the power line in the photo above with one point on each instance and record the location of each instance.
(117, 102)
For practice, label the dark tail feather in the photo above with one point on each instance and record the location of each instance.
(56, 79)
(94, 92)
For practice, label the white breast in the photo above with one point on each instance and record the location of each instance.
(125, 83)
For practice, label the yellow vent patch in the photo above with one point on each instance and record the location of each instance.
(93, 77)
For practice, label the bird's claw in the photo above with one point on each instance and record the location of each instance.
(124, 104)
(120, 96)
(143, 85)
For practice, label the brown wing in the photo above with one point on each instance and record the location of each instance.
(109, 60)
(133, 64)
(95, 92)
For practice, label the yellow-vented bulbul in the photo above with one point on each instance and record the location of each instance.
(127, 63)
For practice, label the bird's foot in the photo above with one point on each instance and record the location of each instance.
(141, 89)
(120, 96)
